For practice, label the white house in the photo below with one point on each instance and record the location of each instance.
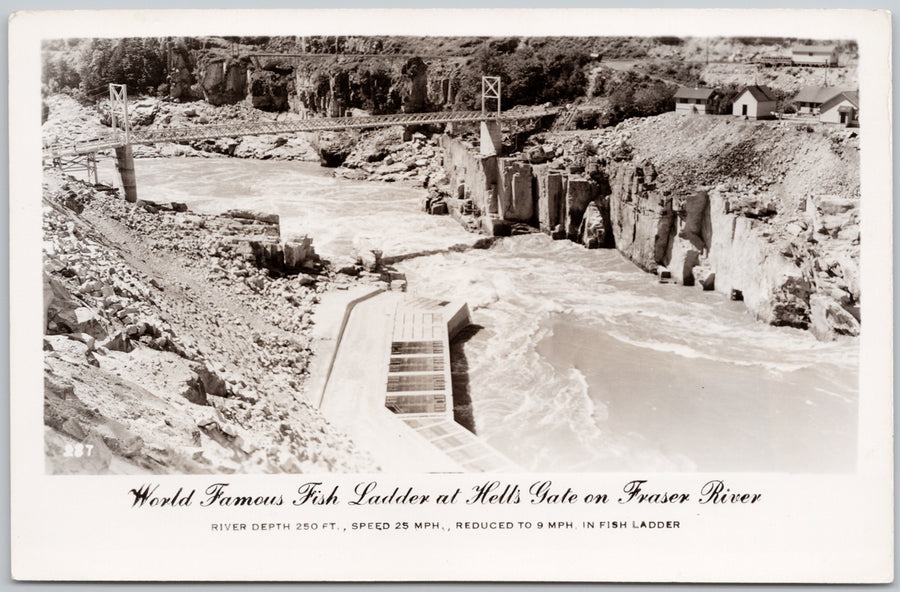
(842, 109)
(810, 99)
(755, 102)
(814, 55)
(692, 100)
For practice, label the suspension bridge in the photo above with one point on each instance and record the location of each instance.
(82, 155)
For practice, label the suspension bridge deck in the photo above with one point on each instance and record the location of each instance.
(321, 124)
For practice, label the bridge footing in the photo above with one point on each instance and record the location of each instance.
(125, 166)
(491, 140)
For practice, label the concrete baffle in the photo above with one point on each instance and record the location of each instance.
(125, 166)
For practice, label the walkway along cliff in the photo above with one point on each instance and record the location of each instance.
(764, 212)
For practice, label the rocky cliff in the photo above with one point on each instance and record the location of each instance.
(765, 212)
(177, 342)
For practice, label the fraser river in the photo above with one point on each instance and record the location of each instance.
(582, 361)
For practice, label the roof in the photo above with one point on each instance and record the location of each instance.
(760, 93)
(813, 48)
(817, 94)
(850, 95)
(684, 92)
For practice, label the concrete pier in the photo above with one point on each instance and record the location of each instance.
(125, 166)
(491, 140)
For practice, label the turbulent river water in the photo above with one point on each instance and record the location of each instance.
(582, 362)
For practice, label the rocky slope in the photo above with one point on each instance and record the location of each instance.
(70, 121)
(178, 342)
(766, 212)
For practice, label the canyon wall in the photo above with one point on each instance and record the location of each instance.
(801, 274)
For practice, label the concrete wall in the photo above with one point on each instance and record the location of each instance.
(471, 176)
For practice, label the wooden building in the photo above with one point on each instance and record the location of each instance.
(692, 100)
(754, 102)
(842, 108)
(810, 99)
(814, 55)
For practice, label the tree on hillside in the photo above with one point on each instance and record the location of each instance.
(138, 63)
(529, 74)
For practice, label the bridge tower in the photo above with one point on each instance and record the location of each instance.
(118, 98)
(491, 140)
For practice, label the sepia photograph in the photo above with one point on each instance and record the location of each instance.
(450, 254)
(517, 295)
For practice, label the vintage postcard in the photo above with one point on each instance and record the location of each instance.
(494, 295)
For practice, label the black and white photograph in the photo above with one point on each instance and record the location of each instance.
(332, 282)
(327, 253)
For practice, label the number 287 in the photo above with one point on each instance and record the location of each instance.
(78, 450)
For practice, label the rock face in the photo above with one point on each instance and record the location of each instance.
(642, 216)
(223, 81)
(515, 201)
(268, 90)
(415, 90)
(793, 262)
(180, 78)
(551, 186)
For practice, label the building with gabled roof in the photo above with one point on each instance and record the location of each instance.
(810, 99)
(692, 100)
(814, 55)
(754, 102)
(842, 108)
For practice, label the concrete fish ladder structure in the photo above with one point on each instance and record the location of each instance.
(382, 374)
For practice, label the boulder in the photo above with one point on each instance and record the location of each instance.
(72, 349)
(57, 386)
(212, 383)
(684, 258)
(579, 193)
(252, 215)
(592, 232)
(81, 320)
(267, 253)
(297, 249)
(704, 277)
(117, 438)
(366, 252)
(828, 319)
(191, 388)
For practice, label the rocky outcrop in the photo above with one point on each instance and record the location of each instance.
(223, 81)
(269, 90)
(642, 216)
(180, 79)
(414, 86)
(334, 148)
(793, 261)
(515, 201)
